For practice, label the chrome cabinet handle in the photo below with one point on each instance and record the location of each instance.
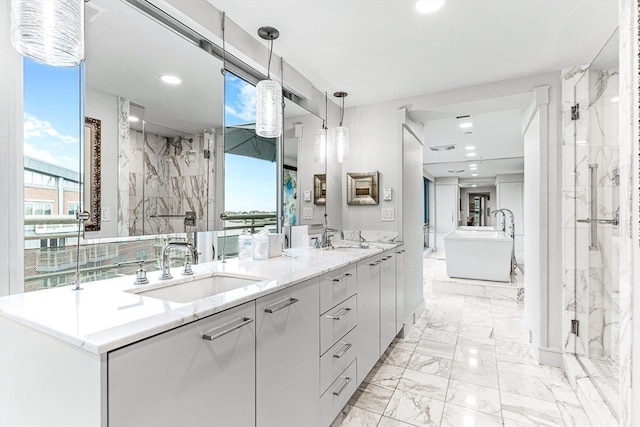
(280, 305)
(375, 263)
(345, 347)
(401, 251)
(346, 382)
(341, 278)
(214, 334)
(340, 316)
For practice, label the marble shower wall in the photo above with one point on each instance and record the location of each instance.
(159, 180)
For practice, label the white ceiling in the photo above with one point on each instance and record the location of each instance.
(380, 50)
(375, 50)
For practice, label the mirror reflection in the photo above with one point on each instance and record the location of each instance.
(166, 159)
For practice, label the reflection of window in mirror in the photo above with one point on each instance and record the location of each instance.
(249, 164)
(51, 170)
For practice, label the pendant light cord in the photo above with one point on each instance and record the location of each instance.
(224, 44)
(269, 63)
(341, 110)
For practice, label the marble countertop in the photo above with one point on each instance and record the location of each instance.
(103, 316)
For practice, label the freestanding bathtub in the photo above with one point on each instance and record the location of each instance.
(480, 255)
(477, 228)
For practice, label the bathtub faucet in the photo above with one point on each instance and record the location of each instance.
(513, 225)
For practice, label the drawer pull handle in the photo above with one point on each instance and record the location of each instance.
(401, 251)
(345, 347)
(280, 305)
(214, 334)
(346, 382)
(375, 263)
(341, 278)
(341, 314)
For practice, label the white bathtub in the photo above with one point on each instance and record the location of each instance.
(477, 228)
(480, 255)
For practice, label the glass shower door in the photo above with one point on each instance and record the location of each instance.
(596, 208)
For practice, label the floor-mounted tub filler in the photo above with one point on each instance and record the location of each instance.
(480, 255)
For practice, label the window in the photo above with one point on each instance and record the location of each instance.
(73, 208)
(38, 208)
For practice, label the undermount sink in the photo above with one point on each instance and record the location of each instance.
(194, 290)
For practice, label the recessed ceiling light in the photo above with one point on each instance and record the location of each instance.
(471, 154)
(470, 147)
(473, 168)
(133, 119)
(581, 142)
(473, 165)
(428, 6)
(474, 174)
(171, 80)
(615, 99)
(465, 125)
(442, 147)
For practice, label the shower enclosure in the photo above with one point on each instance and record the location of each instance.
(591, 206)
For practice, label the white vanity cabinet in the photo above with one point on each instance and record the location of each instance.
(368, 315)
(200, 374)
(387, 298)
(287, 364)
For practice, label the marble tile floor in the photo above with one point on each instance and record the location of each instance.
(465, 363)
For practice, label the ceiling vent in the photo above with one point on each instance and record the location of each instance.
(456, 171)
(442, 148)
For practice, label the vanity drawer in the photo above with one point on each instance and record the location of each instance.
(336, 360)
(337, 322)
(338, 394)
(337, 286)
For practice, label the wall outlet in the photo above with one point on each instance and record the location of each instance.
(307, 213)
(388, 214)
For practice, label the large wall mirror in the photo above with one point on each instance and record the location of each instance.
(158, 136)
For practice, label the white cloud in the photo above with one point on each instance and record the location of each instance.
(36, 128)
(244, 108)
(46, 156)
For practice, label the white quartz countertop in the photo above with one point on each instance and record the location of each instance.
(103, 316)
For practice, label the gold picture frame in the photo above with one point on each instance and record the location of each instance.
(320, 189)
(92, 167)
(362, 188)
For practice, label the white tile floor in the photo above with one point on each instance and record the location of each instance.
(464, 363)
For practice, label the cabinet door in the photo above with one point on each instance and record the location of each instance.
(387, 299)
(200, 374)
(288, 357)
(400, 318)
(368, 272)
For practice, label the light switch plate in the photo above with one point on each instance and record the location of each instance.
(307, 213)
(105, 215)
(306, 195)
(388, 214)
(387, 194)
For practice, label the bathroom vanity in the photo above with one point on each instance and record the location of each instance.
(284, 341)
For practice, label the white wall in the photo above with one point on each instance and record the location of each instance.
(11, 161)
(447, 204)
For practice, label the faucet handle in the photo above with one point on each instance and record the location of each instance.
(141, 275)
(187, 271)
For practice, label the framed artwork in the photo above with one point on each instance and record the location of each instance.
(362, 188)
(290, 195)
(320, 189)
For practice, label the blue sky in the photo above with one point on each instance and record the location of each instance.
(250, 183)
(52, 113)
(51, 129)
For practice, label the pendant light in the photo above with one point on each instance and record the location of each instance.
(268, 95)
(49, 31)
(320, 145)
(341, 133)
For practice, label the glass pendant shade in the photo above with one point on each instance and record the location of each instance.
(320, 146)
(268, 109)
(49, 31)
(341, 140)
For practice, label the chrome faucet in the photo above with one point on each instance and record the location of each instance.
(513, 225)
(166, 271)
(326, 238)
